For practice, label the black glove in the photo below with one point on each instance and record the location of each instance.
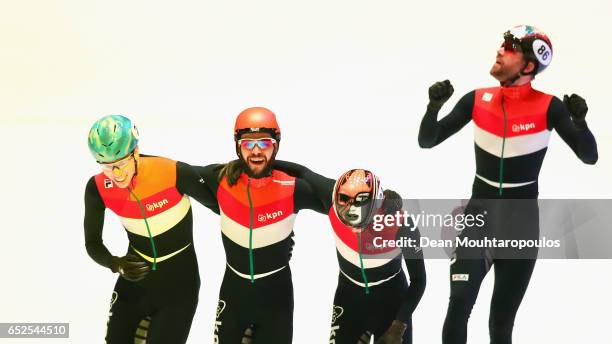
(130, 267)
(248, 335)
(439, 93)
(394, 334)
(392, 202)
(577, 107)
(365, 338)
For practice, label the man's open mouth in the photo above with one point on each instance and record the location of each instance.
(257, 160)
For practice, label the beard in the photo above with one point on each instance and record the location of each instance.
(499, 72)
(507, 74)
(265, 172)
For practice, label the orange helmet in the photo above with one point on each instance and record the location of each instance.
(256, 120)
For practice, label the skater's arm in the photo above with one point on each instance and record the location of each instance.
(572, 128)
(321, 186)
(305, 198)
(433, 132)
(413, 257)
(189, 182)
(93, 224)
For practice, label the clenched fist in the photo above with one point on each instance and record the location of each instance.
(577, 107)
(440, 92)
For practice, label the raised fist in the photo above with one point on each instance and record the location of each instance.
(440, 92)
(577, 107)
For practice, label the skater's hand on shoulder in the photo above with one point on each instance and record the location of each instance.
(392, 202)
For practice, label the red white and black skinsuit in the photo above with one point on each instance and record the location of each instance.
(512, 127)
(257, 216)
(372, 288)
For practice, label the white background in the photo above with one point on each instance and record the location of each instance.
(348, 81)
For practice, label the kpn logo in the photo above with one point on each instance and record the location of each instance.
(521, 127)
(156, 205)
(269, 216)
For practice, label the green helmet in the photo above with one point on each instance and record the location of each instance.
(112, 138)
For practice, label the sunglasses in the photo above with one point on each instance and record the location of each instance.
(360, 200)
(117, 164)
(511, 43)
(250, 144)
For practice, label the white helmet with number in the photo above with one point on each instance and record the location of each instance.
(535, 45)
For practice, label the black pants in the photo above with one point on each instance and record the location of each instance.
(159, 308)
(266, 305)
(507, 219)
(355, 312)
(511, 281)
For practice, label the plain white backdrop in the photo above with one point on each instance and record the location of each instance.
(348, 81)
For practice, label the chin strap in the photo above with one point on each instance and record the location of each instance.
(512, 80)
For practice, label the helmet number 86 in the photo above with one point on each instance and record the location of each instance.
(543, 52)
